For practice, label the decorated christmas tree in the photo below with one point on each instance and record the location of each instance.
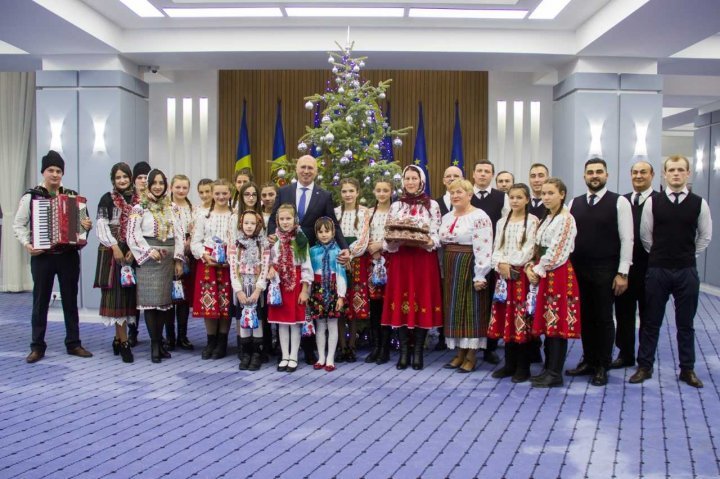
(352, 138)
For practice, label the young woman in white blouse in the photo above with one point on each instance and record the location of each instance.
(557, 310)
(179, 189)
(213, 289)
(514, 248)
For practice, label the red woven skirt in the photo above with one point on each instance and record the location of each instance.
(509, 319)
(290, 312)
(212, 294)
(412, 293)
(557, 311)
(359, 294)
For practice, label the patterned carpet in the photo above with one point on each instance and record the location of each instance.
(91, 418)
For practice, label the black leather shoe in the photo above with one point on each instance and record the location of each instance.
(620, 363)
(34, 357)
(549, 380)
(80, 352)
(491, 357)
(184, 343)
(582, 369)
(640, 375)
(600, 378)
(688, 376)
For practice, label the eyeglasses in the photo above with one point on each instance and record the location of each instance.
(249, 195)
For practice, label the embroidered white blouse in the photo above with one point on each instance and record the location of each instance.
(239, 270)
(558, 236)
(474, 228)
(347, 226)
(514, 252)
(142, 225)
(217, 225)
(424, 217)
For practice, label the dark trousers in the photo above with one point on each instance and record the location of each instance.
(596, 311)
(632, 300)
(44, 267)
(684, 285)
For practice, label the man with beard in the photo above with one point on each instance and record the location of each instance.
(633, 298)
(538, 176)
(504, 180)
(602, 259)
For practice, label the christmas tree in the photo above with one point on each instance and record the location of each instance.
(351, 139)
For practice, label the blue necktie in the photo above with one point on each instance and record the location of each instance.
(301, 206)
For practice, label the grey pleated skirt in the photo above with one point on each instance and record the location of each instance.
(154, 279)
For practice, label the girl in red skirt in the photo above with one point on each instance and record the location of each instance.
(412, 294)
(514, 248)
(290, 260)
(557, 309)
(213, 290)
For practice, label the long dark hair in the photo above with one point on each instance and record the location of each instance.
(381, 180)
(526, 192)
(356, 184)
(562, 189)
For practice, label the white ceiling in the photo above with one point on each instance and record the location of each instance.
(678, 38)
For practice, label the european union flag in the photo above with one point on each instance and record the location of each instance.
(279, 143)
(242, 158)
(420, 153)
(456, 155)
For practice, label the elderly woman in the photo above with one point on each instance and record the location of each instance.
(412, 293)
(466, 235)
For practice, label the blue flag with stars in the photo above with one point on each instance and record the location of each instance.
(456, 155)
(420, 153)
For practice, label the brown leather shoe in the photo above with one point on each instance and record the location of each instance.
(689, 376)
(34, 356)
(582, 369)
(640, 375)
(79, 351)
(620, 363)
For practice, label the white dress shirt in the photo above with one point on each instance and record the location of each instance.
(704, 229)
(644, 195)
(625, 227)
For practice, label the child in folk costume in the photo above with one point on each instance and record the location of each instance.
(371, 243)
(213, 290)
(117, 303)
(242, 176)
(327, 296)
(351, 217)
(249, 255)
(204, 189)
(290, 260)
(155, 239)
(179, 188)
(514, 248)
(268, 193)
(557, 310)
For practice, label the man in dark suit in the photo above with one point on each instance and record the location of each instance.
(311, 202)
(537, 177)
(633, 298)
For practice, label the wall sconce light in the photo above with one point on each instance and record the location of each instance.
(99, 125)
(699, 156)
(56, 134)
(595, 136)
(716, 163)
(641, 139)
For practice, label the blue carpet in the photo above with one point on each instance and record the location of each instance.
(92, 418)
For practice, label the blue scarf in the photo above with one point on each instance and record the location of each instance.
(326, 271)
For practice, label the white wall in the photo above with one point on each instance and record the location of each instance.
(192, 149)
(511, 149)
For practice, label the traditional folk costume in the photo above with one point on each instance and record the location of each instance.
(117, 303)
(515, 246)
(152, 226)
(290, 257)
(249, 259)
(557, 309)
(329, 284)
(412, 294)
(186, 217)
(212, 295)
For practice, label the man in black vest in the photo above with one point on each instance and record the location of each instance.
(538, 176)
(633, 298)
(602, 258)
(495, 204)
(675, 227)
(44, 265)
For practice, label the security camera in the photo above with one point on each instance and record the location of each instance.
(154, 69)
(151, 68)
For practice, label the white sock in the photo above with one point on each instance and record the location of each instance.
(294, 341)
(332, 324)
(320, 339)
(284, 333)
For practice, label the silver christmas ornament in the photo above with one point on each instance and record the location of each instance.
(341, 90)
(344, 160)
(335, 69)
(320, 177)
(302, 147)
(397, 142)
(326, 119)
(348, 153)
(331, 59)
(349, 119)
(356, 68)
(367, 180)
(362, 64)
(329, 138)
(309, 105)
(381, 95)
(281, 173)
(386, 173)
(294, 180)
(397, 177)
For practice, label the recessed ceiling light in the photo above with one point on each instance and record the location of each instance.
(344, 12)
(548, 9)
(475, 14)
(142, 8)
(222, 12)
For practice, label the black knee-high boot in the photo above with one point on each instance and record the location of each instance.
(170, 330)
(522, 371)
(255, 359)
(163, 317)
(133, 331)
(419, 353)
(404, 348)
(151, 321)
(374, 333)
(182, 311)
(556, 349)
(246, 350)
(308, 347)
(266, 343)
(385, 336)
(511, 361)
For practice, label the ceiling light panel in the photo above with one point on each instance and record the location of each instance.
(475, 14)
(344, 12)
(223, 12)
(142, 8)
(548, 9)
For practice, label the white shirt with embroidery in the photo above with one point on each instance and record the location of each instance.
(217, 225)
(514, 252)
(471, 229)
(142, 224)
(348, 228)
(557, 234)
(427, 218)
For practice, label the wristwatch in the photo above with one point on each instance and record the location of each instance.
(622, 275)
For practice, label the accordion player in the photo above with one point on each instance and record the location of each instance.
(57, 222)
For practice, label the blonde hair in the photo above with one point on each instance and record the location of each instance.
(218, 182)
(463, 184)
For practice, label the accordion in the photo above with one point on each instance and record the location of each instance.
(56, 222)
